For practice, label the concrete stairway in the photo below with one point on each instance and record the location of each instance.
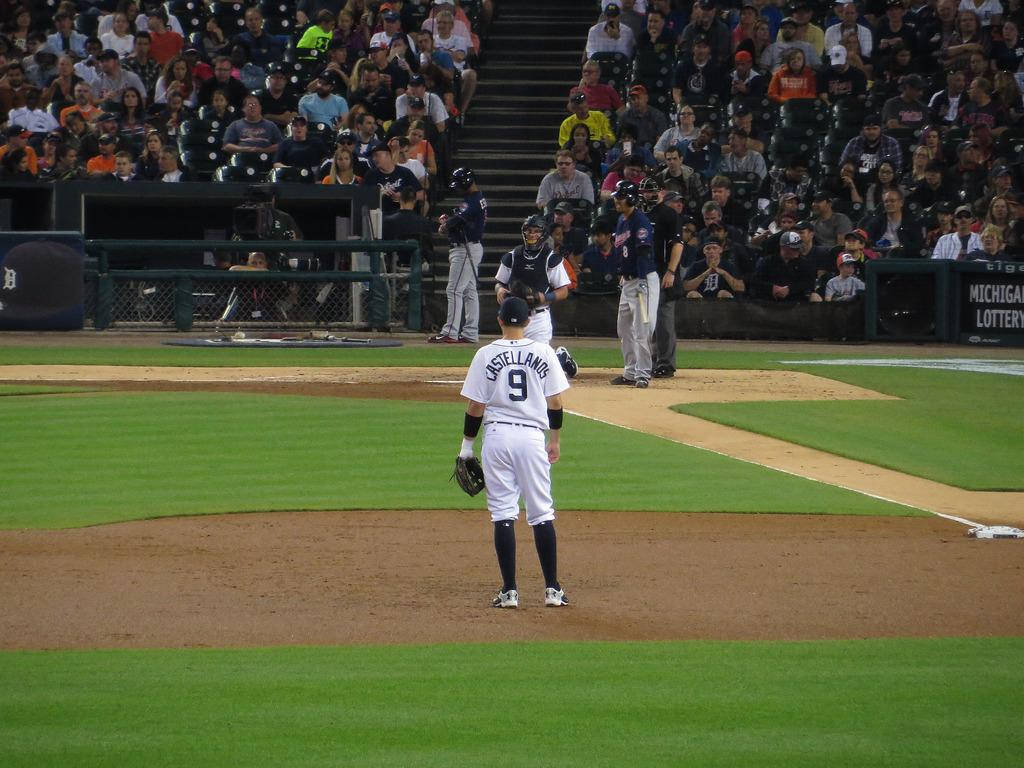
(532, 58)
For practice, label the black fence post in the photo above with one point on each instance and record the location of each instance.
(414, 321)
(378, 298)
(183, 303)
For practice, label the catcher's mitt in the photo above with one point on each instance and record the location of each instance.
(525, 292)
(469, 474)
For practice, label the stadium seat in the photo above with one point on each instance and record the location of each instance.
(236, 173)
(230, 16)
(614, 68)
(202, 162)
(650, 65)
(810, 112)
(291, 174)
(261, 161)
(207, 113)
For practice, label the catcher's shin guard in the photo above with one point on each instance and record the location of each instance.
(566, 361)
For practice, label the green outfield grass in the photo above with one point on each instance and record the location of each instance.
(955, 427)
(931, 703)
(106, 457)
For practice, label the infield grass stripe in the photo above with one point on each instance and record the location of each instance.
(933, 702)
(121, 456)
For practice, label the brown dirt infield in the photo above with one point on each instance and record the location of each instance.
(397, 577)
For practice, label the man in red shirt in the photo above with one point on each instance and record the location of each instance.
(165, 43)
(599, 95)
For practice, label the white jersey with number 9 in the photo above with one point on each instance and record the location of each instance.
(514, 378)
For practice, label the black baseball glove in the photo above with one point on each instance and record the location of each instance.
(523, 291)
(469, 474)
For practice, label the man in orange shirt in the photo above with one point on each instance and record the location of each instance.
(83, 105)
(165, 43)
(17, 138)
(104, 163)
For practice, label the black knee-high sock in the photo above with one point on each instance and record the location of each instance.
(547, 551)
(505, 547)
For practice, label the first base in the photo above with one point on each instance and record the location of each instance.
(996, 532)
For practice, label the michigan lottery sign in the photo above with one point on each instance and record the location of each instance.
(991, 302)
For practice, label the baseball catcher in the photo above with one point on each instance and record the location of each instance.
(535, 273)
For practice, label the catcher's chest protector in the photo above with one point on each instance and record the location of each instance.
(533, 270)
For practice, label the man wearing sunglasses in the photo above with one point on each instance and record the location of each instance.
(956, 245)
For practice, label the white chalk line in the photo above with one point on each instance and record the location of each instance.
(954, 518)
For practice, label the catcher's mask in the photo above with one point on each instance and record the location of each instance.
(535, 232)
(649, 189)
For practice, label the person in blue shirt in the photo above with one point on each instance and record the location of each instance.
(264, 48)
(638, 298)
(465, 230)
(323, 105)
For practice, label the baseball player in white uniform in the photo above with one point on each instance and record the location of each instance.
(535, 265)
(514, 388)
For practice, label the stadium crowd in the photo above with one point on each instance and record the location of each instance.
(785, 144)
(335, 91)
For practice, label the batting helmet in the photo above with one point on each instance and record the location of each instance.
(462, 180)
(534, 241)
(627, 191)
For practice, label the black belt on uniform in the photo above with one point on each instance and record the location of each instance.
(540, 309)
(513, 424)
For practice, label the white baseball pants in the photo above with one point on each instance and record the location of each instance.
(539, 328)
(516, 465)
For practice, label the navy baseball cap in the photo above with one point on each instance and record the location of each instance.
(514, 311)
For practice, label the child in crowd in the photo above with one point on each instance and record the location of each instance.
(846, 285)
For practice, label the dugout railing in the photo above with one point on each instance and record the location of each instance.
(377, 294)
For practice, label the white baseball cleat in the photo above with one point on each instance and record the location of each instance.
(555, 597)
(508, 599)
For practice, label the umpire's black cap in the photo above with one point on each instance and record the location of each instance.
(514, 311)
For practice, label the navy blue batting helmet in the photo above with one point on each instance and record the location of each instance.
(628, 191)
(462, 180)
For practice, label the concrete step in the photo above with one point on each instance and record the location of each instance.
(549, 101)
(513, 41)
(471, 133)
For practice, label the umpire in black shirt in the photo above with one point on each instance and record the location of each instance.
(668, 252)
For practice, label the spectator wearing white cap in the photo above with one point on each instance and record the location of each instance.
(958, 244)
(839, 80)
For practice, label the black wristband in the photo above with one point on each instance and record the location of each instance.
(472, 425)
(555, 418)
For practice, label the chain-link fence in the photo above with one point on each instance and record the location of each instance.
(185, 299)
